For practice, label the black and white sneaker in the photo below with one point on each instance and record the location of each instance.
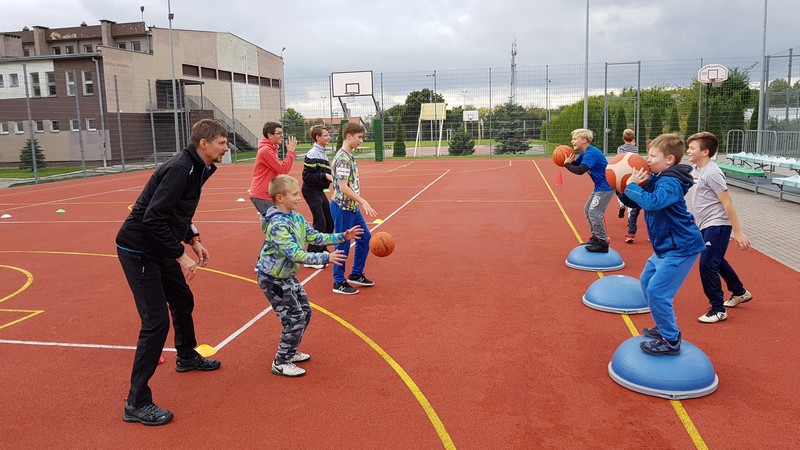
(196, 363)
(360, 280)
(344, 288)
(149, 414)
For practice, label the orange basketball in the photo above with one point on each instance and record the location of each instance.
(381, 244)
(560, 154)
(621, 167)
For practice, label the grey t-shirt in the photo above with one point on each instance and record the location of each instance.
(627, 148)
(708, 211)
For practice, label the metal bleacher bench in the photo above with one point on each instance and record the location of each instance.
(752, 167)
(787, 182)
(741, 170)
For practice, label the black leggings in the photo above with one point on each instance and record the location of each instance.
(320, 212)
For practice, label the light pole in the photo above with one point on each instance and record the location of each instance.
(322, 116)
(464, 100)
(586, 74)
(174, 90)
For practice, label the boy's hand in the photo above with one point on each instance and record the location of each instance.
(639, 176)
(569, 159)
(329, 177)
(368, 209)
(291, 143)
(354, 233)
(741, 240)
(337, 257)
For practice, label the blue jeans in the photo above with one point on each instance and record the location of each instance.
(633, 216)
(713, 265)
(660, 280)
(343, 221)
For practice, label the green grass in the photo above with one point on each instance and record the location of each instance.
(7, 172)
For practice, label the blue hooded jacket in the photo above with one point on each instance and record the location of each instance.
(670, 225)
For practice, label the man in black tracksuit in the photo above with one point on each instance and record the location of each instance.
(316, 178)
(150, 246)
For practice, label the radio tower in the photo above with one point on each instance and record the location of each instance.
(513, 95)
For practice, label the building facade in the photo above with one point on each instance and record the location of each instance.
(104, 93)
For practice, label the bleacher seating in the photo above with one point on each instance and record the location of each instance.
(787, 182)
(759, 172)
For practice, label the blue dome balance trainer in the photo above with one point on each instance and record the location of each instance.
(689, 374)
(619, 294)
(582, 259)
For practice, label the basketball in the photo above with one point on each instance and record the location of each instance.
(621, 167)
(560, 154)
(381, 244)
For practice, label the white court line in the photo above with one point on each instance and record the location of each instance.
(318, 271)
(244, 327)
(65, 344)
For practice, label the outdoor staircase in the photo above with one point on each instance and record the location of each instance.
(237, 131)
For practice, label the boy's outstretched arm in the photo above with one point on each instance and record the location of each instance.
(738, 235)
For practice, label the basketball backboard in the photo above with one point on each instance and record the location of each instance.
(433, 111)
(351, 84)
(470, 116)
(712, 73)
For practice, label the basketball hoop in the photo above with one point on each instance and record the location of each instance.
(712, 74)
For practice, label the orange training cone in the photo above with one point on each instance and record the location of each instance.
(559, 179)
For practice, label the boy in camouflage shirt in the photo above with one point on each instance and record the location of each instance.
(286, 233)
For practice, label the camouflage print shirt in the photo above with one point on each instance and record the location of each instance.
(284, 244)
(344, 168)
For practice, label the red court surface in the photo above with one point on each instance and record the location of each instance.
(474, 335)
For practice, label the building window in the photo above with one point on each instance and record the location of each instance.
(13, 80)
(71, 89)
(3, 127)
(122, 45)
(88, 83)
(69, 49)
(206, 72)
(276, 83)
(136, 45)
(26, 52)
(56, 50)
(35, 85)
(51, 84)
(91, 125)
(87, 48)
(39, 126)
(252, 79)
(191, 71)
(224, 75)
(74, 125)
(2, 83)
(265, 82)
(55, 127)
(239, 77)
(20, 128)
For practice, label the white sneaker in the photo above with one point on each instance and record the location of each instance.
(713, 316)
(287, 370)
(736, 299)
(314, 266)
(300, 357)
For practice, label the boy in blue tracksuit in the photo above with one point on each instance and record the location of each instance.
(286, 233)
(591, 159)
(675, 237)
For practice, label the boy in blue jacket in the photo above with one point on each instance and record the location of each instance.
(675, 237)
(286, 233)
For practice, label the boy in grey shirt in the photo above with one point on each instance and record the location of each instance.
(716, 217)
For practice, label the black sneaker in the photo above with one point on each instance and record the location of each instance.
(598, 246)
(660, 347)
(621, 212)
(590, 241)
(652, 332)
(360, 280)
(196, 363)
(149, 414)
(344, 288)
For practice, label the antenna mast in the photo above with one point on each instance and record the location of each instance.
(513, 95)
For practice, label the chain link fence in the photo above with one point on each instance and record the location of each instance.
(78, 117)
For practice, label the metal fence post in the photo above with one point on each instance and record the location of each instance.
(119, 125)
(152, 122)
(80, 132)
(30, 124)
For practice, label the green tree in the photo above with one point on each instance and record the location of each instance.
(399, 150)
(692, 119)
(754, 119)
(620, 123)
(340, 137)
(294, 124)
(674, 123)
(26, 156)
(508, 128)
(656, 125)
(461, 143)
(736, 114)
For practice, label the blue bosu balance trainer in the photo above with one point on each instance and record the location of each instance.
(619, 294)
(689, 374)
(582, 259)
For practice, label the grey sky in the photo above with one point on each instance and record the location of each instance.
(389, 36)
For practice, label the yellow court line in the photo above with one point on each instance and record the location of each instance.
(676, 404)
(444, 436)
(398, 168)
(27, 282)
(33, 312)
(481, 170)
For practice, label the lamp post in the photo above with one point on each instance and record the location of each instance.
(464, 100)
(174, 90)
(586, 74)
